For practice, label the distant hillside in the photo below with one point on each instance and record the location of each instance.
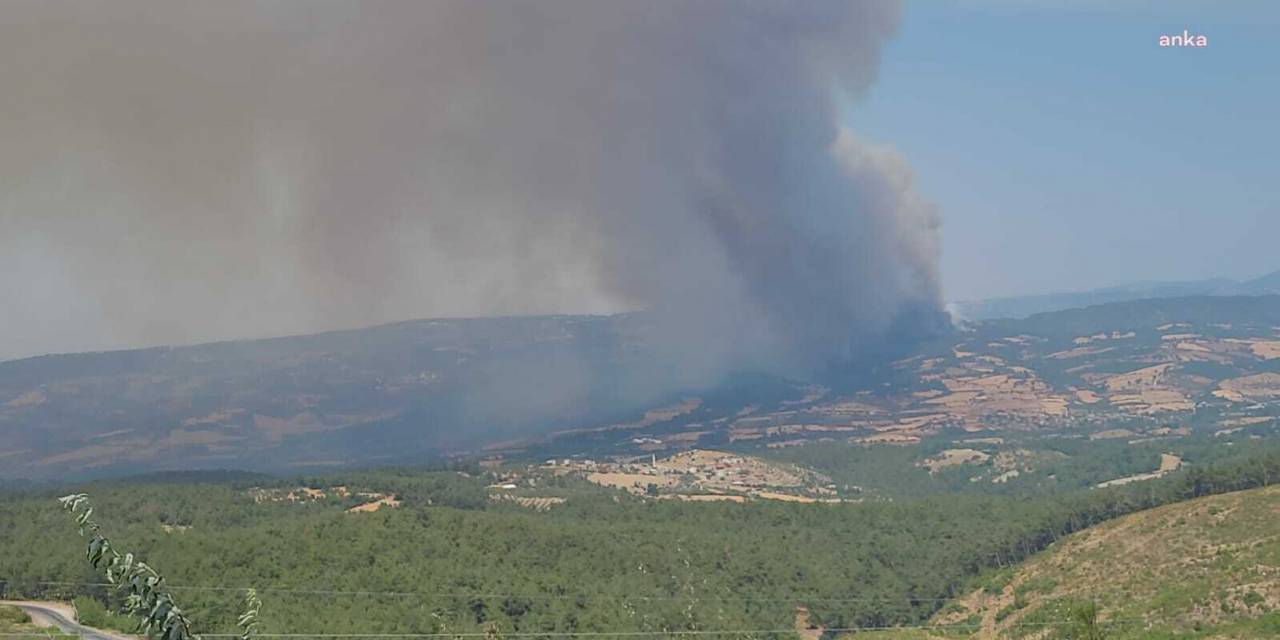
(556, 386)
(1023, 306)
(394, 393)
(1205, 568)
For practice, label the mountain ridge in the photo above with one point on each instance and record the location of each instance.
(549, 386)
(1021, 306)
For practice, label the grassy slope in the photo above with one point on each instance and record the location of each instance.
(14, 622)
(1207, 568)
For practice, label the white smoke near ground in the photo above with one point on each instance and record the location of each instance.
(182, 171)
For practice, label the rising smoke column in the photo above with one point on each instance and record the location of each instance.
(178, 171)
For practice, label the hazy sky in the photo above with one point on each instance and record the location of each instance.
(175, 172)
(1067, 151)
(178, 171)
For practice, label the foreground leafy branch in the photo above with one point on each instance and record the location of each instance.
(248, 621)
(145, 596)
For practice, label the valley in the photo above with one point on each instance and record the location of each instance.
(540, 550)
(426, 391)
(884, 495)
(628, 320)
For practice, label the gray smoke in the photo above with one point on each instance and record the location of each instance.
(179, 171)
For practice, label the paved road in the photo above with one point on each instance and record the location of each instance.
(49, 614)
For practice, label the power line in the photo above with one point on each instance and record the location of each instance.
(618, 634)
(544, 596)
(573, 634)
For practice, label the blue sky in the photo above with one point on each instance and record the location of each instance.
(1067, 151)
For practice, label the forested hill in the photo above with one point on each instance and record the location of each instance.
(396, 392)
(440, 552)
(564, 385)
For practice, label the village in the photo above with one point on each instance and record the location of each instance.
(703, 475)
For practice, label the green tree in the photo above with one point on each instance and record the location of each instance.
(145, 596)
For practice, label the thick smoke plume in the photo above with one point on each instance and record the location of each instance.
(180, 171)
